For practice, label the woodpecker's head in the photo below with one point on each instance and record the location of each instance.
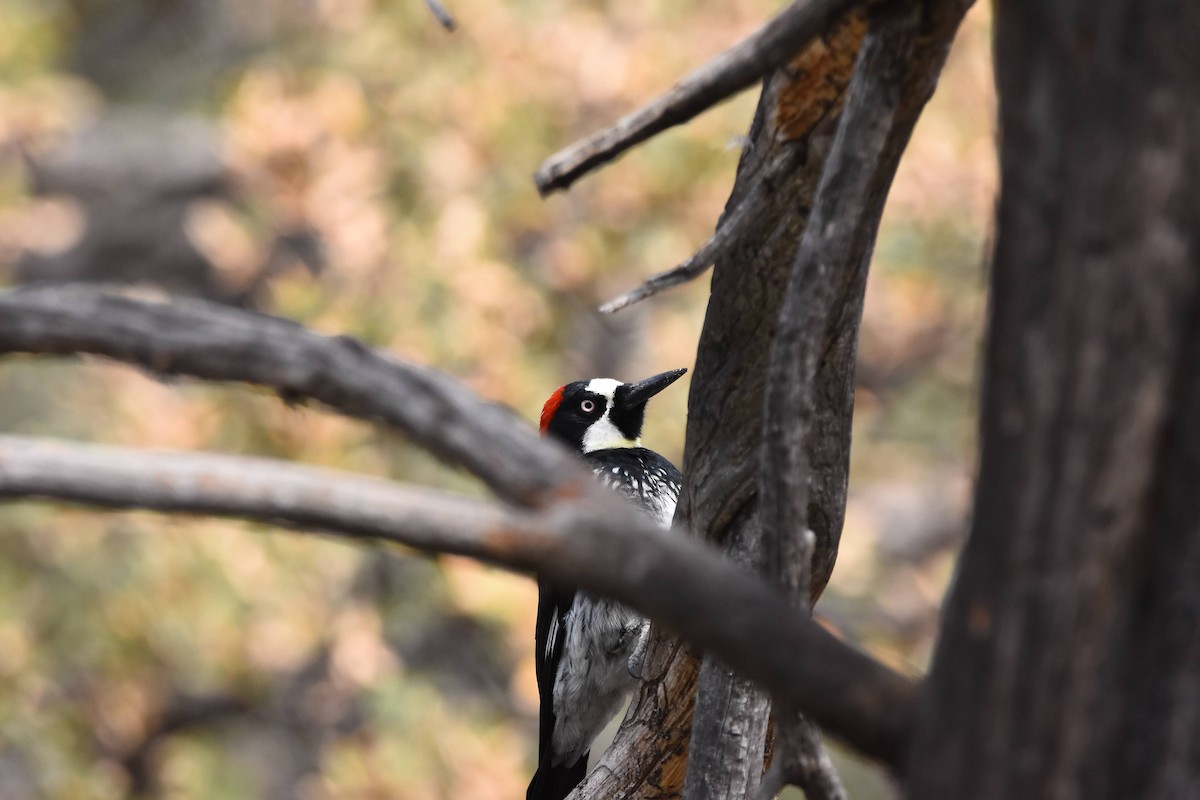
(602, 413)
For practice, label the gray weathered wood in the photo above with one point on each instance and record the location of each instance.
(606, 547)
(213, 342)
(791, 134)
(206, 340)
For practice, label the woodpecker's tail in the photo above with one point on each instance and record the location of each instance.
(555, 783)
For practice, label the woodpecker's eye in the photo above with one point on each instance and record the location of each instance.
(588, 406)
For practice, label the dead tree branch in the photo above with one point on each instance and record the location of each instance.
(601, 546)
(728, 232)
(829, 272)
(730, 72)
(213, 342)
(832, 258)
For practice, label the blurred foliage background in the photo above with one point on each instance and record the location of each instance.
(351, 165)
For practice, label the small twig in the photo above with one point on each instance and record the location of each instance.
(723, 76)
(443, 16)
(727, 234)
(685, 271)
(600, 545)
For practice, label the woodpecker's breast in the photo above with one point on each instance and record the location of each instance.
(643, 475)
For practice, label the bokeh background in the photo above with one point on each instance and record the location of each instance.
(351, 165)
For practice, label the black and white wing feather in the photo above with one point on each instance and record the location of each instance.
(551, 780)
(643, 476)
(583, 643)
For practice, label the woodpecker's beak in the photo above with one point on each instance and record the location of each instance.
(637, 394)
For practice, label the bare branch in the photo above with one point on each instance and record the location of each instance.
(600, 545)
(803, 760)
(690, 269)
(442, 14)
(730, 72)
(213, 342)
(716, 247)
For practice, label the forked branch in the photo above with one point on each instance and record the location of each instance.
(602, 546)
(218, 343)
(725, 75)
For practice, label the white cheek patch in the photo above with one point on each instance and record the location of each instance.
(603, 434)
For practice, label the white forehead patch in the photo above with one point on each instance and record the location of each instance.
(604, 386)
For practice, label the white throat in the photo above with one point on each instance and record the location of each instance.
(603, 434)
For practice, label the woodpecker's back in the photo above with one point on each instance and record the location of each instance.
(585, 646)
(643, 476)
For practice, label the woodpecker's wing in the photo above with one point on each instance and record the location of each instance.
(643, 476)
(652, 482)
(550, 634)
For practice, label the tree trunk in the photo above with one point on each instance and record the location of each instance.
(778, 174)
(1069, 663)
(725, 414)
(789, 143)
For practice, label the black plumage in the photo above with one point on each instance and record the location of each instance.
(551, 781)
(642, 475)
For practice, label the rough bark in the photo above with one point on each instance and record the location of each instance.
(789, 143)
(1068, 662)
(726, 408)
(730, 731)
(778, 174)
(829, 273)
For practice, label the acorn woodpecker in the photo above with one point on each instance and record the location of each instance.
(587, 648)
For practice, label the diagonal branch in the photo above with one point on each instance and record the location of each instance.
(688, 270)
(729, 73)
(213, 342)
(728, 231)
(442, 14)
(602, 546)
